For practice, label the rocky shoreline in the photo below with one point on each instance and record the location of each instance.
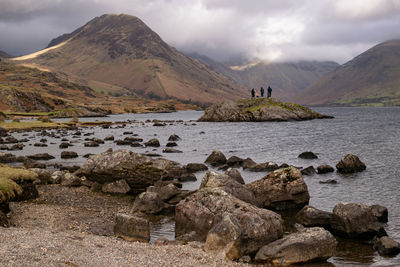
(81, 202)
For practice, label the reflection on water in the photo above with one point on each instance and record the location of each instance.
(370, 133)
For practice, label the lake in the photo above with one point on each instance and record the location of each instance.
(371, 133)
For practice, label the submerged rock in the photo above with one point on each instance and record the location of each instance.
(356, 220)
(153, 143)
(310, 170)
(387, 246)
(280, 190)
(261, 109)
(308, 155)
(69, 155)
(308, 245)
(311, 217)
(216, 158)
(349, 164)
(325, 169)
(195, 167)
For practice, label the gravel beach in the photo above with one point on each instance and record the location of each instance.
(73, 227)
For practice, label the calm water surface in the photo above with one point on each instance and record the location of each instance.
(371, 133)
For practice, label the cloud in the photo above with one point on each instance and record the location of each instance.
(222, 29)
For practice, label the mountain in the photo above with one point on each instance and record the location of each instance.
(120, 50)
(4, 54)
(372, 78)
(286, 79)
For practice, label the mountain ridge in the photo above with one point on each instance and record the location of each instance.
(371, 78)
(121, 50)
(287, 79)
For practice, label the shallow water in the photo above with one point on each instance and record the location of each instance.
(371, 133)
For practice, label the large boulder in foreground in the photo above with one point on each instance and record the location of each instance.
(349, 164)
(280, 190)
(311, 244)
(356, 220)
(202, 210)
(261, 109)
(138, 170)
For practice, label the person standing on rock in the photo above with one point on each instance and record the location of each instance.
(262, 91)
(269, 91)
(253, 93)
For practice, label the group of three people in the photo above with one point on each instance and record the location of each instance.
(269, 92)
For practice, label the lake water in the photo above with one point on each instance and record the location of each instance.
(371, 133)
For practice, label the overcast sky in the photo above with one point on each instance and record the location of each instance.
(271, 30)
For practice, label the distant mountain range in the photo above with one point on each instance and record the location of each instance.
(372, 78)
(120, 50)
(286, 79)
(118, 55)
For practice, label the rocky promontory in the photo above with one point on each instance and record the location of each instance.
(260, 109)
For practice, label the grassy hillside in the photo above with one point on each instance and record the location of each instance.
(372, 78)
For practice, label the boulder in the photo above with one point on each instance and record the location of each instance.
(349, 164)
(153, 143)
(64, 145)
(311, 217)
(117, 187)
(41, 156)
(310, 170)
(40, 145)
(202, 210)
(138, 170)
(70, 180)
(174, 138)
(309, 245)
(171, 150)
(132, 227)
(109, 138)
(164, 192)
(248, 163)
(179, 173)
(224, 238)
(43, 175)
(228, 184)
(57, 177)
(149, 203)
(7, 157)
(234, 161)
(387, 246)
(308, 155)
(136, 144)
(123, 142)
(280, 190)
(69, 155)
(195, 167)
(325, 169)
(356, 220)
(216, 158)
(91, 144)
(235, 174)
(16, 147)
(171, 144)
